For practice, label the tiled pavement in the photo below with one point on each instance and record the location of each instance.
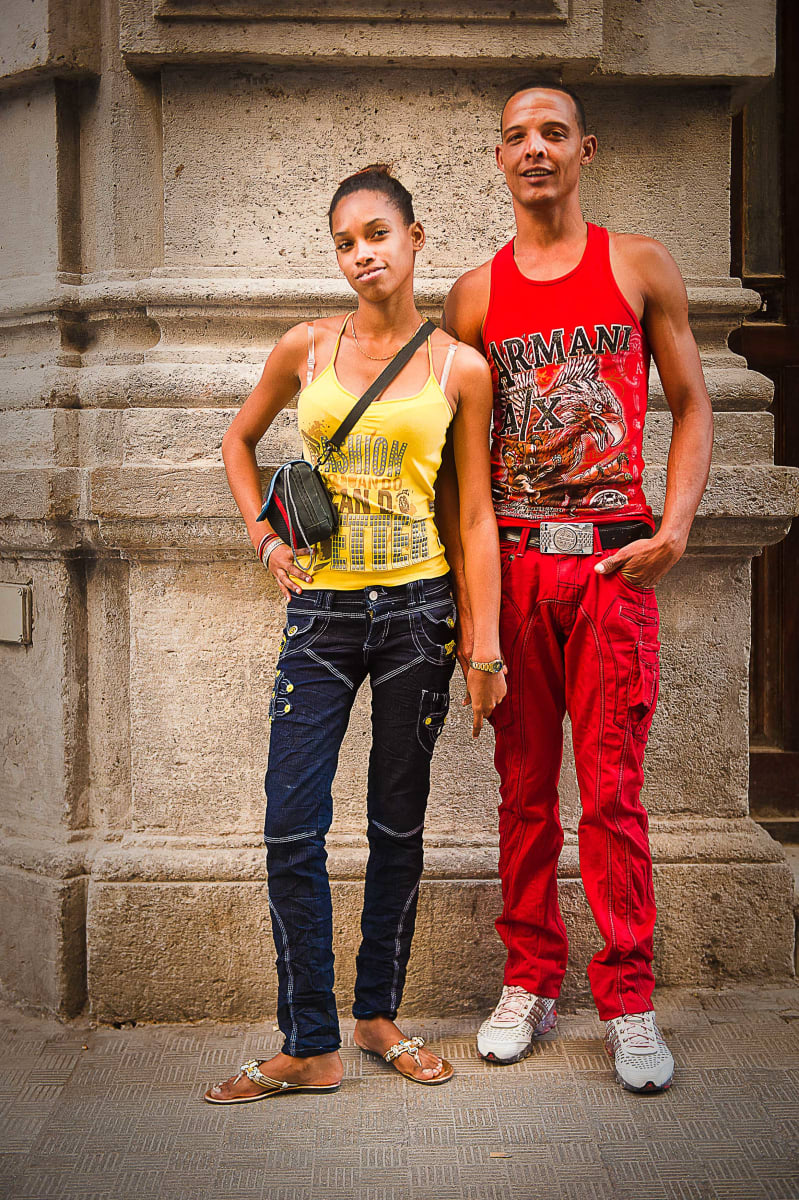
(108, 1114)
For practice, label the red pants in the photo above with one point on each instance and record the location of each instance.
(585, 644)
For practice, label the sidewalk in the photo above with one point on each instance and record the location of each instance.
(108, 1114)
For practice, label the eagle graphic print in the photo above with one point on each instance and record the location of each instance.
(569, 399)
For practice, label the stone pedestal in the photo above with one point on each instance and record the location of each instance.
(165, 222)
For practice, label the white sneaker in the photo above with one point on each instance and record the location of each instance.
(642, 1059)
(518, 1019)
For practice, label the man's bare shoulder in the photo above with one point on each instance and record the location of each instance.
(467, 304)
(473, 284)
(646, 254)
(649, 263)
(471, 364)
(467, 363)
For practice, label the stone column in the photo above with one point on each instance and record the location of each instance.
(165, 224)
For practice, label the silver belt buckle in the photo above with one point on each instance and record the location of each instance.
(566, 537)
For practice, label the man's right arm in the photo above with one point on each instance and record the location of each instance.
(466, 306)
(464, 312)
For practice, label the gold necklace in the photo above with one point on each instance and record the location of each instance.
(380, 357)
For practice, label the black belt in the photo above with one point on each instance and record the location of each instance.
(612, 534)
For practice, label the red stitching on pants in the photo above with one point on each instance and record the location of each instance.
(598, 789)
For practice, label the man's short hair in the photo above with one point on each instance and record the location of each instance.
(546, 85)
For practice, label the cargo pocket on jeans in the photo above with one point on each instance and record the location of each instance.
(280, 701)
(433, 633)
(433, 709)
(644, 689)
(302, 630)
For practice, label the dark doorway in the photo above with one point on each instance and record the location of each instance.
(765, 255)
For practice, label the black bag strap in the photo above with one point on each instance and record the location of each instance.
(403, 356)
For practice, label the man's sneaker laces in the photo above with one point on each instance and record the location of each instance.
(519, 1017)
(641, 1057)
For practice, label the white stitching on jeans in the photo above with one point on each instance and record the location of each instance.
(324, 612)
(292, 837)
(397, 947)
(290, 974)
(324, 663)
(398, 670)
(393, 832)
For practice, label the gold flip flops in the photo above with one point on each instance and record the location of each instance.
(272, 1087)
(412, 1046)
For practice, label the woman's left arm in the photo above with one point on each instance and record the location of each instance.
(478, 526)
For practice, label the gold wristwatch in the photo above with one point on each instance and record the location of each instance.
(491, 668)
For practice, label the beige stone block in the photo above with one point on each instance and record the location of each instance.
(26, 24)
(201, 643)
(108, 679)
(42, 940)
(724, 922)
(703, 933)
(730, 387)
(199, 738)
(749, 491)
(249, 210)
(463, 785)
(200, 342)
(544, 32)
(675, 41)
(209, 632)
(43, 715)
(170, 384)
(739, 438)
(121, 174)
(28, 183)
(100, 438)
(194, 435)
(214, 938)
(42, 493)
(697, 756)
(679, 39)
(42, 37)
(193, 950)
(38, 438)
(144, 961)
(27, 438)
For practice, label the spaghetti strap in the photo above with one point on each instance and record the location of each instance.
(448, 365)
(430, 356)
(311, 355)
(334, 356)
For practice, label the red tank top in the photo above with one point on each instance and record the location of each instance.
(570, 364)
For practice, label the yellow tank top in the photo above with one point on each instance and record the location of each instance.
(381, 481)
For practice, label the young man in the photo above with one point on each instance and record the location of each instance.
(567, 315)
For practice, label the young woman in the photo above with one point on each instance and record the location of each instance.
(378, 604)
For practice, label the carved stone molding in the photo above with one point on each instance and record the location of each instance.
(531, 11)
(189, 341)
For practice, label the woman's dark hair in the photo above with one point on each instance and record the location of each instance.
(376, 177)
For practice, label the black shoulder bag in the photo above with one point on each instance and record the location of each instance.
(298, 504)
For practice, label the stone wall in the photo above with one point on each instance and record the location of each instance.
(169, 166)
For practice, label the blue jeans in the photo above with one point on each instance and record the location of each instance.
(403, 638)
